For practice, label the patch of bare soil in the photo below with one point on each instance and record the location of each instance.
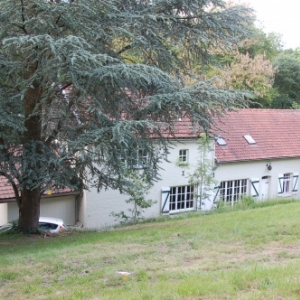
(272, 252)
(231, 257)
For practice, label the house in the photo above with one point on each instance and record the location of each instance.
(257, 153)
(252, 152)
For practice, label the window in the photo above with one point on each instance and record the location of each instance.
(249, 139)
(181, 198)
(137, 159)
(183, 155)
(221, 141)
(141, 159)
(231, 191)
(286, 183)
(142, 156)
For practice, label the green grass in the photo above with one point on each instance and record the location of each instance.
(251, 252)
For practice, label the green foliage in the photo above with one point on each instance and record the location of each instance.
(283, 102)
(249, 66)
(137, 189)
(182, 164)
(202, 176)
(253, 74)
(248, 202)
(292, 52)
(286, 81)
(245, 202)
(261, 43)
(86, 83)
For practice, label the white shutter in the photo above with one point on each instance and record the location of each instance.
(280, 184)
(295, 182)
(254, 187)
(165, 200)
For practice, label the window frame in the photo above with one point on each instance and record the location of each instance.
(183, 155)
(232, 190)
(142, 157)
(138, 161)
(182, 198)
(287, 183)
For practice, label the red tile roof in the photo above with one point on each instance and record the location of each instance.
(275, 131)
(7, 193)
(183, 129)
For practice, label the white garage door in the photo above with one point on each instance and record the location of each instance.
(63, 207)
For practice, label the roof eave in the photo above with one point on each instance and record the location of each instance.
(44, 196)
(256, 159)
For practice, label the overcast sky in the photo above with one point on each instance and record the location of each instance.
(280, 16)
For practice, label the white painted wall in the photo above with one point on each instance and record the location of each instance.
(258, 169)
(3, 213)
(81, 208)
(60, 207)
(99, 206)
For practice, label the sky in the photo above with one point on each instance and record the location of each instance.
(280, 16)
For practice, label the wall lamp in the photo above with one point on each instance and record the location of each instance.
(269, 166)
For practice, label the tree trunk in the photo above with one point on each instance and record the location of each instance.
(29, 210)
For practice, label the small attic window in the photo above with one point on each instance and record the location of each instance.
(249, 139)
(221, 141)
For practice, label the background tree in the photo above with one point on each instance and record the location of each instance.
(267, 44)
(291, 52)
(248, 66)
(253, 74)
(287, 81)
(84, 84)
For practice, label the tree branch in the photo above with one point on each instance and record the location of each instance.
(124, 49)
(14, 186)
(23, 18)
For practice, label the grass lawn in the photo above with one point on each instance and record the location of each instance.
(251, 253)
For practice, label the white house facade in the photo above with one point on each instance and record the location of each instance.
(172, 194)
(254, 178)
